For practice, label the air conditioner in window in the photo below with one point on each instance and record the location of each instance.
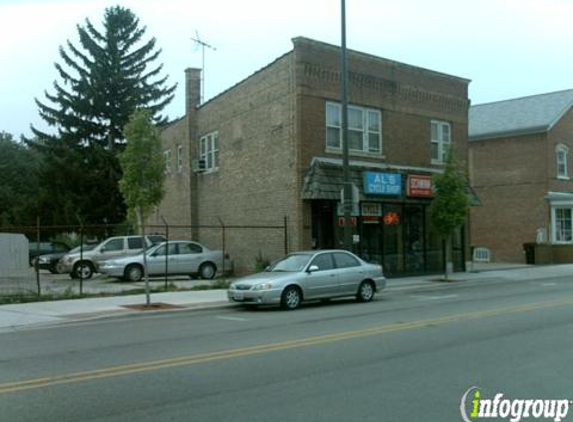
(198, 166)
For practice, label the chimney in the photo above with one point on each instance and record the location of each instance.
(192, 89)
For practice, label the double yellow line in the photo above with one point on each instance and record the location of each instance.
(155, 365)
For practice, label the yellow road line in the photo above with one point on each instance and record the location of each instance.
(135, 368)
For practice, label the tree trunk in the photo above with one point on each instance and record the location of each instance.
(140, 222)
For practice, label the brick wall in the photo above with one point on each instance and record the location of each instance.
(272, 124)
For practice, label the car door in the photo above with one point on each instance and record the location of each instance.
(113, 248)
(322, 278)
(189, 258)
(350, 273)
(165, 256)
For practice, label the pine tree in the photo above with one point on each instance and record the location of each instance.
(102, 82)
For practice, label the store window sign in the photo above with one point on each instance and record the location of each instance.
(382, 183)
(419, 186)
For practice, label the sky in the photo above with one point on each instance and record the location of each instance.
(507, 48)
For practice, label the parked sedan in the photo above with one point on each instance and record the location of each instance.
(310, 275)
(182, 258)
(51, 262)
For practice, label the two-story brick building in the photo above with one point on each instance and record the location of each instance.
(271, 147)
(519, 167)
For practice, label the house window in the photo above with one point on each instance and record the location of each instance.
(441, 141)
(562, 224)
(364, 129)
(167, 156)
(209, 151)
(562, 171)
(179, 158)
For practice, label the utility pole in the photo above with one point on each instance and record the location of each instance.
(202, 44)
(347, 186)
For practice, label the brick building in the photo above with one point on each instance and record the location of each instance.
(519, 168)
(270, 147)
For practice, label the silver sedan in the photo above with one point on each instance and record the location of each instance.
(178, 257)
(309, 275)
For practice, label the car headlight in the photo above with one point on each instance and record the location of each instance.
(263, 286)
(43, 260)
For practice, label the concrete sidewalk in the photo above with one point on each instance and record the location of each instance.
(21, 316)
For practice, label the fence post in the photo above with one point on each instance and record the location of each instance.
(286, 234)
(81, 262)
(166, 250)
(223, 244)
(36, 264)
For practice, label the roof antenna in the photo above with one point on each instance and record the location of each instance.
(202, 45)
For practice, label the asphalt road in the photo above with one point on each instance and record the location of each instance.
(408, 356)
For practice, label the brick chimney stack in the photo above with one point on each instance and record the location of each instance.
(192, 89)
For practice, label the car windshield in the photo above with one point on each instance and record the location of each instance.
(291, 263)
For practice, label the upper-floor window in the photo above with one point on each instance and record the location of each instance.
(562, 153)
(441, 141)
(179, 158)
(209, 151)
(167, 156)
(364, 128)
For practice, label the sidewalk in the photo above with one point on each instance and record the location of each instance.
(21, 316)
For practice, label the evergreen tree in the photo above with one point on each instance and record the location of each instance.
(102, 82)
(18, 182)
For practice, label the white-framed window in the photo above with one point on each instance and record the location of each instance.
(562, 224)
(364, 128)
(562, 153)
(179, 158)
(167, 156)
(441, 133)
(209, 151)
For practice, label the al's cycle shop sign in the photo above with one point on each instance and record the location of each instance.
(477, 406)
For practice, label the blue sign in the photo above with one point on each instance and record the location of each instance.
(382, 183)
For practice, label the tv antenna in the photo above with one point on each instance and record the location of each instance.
(200, 43)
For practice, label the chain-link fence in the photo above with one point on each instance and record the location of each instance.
(247, 248)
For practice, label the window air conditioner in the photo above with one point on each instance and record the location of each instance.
(198, 166)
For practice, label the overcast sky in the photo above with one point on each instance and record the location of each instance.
(508, 48)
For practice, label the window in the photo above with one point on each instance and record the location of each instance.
(209, 151)
(189, 248)
(343, 260)
(114, 245)
(171, 251)
(441, 141)
(562, 225)
(562, 171)
(364, 128)
(134, 243)
(167, 156)
(179, 158)
(323, 262)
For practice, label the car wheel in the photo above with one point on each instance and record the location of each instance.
(83, 270)
(207, 271)
(365, 292)
(291, 298)
(60, 268)
(134, 273)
